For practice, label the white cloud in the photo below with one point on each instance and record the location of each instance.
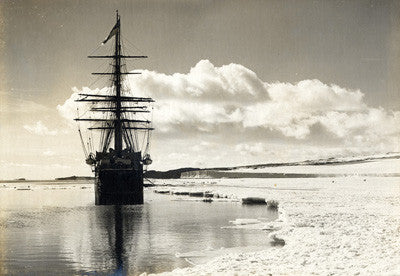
(295, 108)
(204, 82)
(372, 122)
(224, 103)
(39, 129)
(70, 109)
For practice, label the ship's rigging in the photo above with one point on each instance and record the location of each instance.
(121, 119)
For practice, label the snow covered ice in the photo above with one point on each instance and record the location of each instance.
(330, 226)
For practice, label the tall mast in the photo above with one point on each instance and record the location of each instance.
(119, 124)
(117, 83)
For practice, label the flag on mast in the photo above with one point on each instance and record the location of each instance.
(112, 33)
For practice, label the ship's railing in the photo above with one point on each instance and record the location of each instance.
(126, 159)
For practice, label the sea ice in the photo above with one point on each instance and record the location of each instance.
(348, 227)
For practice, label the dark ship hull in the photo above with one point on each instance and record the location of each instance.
(119, 180)
(119, 186)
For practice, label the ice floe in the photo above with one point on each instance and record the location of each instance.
(346, 227)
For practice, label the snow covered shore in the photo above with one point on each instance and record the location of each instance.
(331, 226)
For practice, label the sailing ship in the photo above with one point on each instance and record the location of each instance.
(119, 168)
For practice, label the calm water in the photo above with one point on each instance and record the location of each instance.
(57, 230)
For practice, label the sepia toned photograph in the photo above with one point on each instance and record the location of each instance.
(200, 137)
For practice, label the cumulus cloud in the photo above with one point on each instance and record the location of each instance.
(69, 109)
(210, 96)
(39, 129)
(205, 82)
(231, 100)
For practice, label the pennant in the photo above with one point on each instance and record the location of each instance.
(112, 33)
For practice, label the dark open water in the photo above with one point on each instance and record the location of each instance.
(57, 230)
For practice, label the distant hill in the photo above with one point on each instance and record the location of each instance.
(74, 177)
(221, 171)
(171, 174)
(317, 162)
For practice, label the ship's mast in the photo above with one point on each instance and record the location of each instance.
(119, 123)
(117, 83)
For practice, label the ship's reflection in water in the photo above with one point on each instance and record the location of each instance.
(122, 225)
(119, 239)
(76, 237)
(133, 246)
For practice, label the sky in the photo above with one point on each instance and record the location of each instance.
(235, 82)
